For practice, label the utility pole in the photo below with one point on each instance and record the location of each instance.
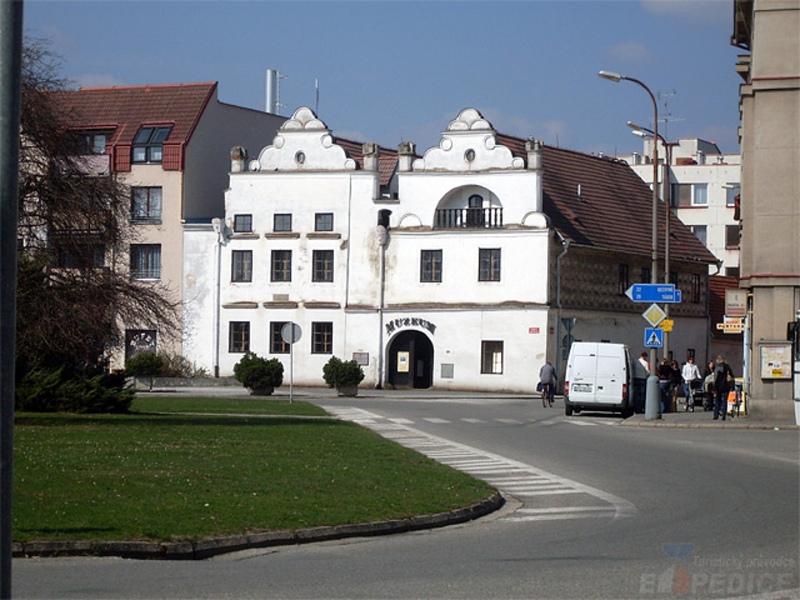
(10, 101)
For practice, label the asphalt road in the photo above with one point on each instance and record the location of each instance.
(595, 510)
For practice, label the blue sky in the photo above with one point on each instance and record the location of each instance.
(393, 71)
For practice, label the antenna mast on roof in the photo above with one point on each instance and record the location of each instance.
(274, 91)
(316, 96)
(667, 118)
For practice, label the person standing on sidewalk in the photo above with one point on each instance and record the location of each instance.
(664, 373)
(723, 381)
(690, 373)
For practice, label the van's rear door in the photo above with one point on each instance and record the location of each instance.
(610, 377)
(584, 378)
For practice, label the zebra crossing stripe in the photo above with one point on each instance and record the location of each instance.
(513, 477)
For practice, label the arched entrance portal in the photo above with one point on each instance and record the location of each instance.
(410, 361)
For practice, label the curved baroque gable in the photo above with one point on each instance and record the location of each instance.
(468, 144)
(303, 143)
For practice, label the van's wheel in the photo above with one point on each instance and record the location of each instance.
(568, 410)
(627, 413)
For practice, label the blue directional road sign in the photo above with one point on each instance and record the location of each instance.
(653, 338)
(666, 293)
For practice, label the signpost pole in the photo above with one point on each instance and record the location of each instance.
(290, 333)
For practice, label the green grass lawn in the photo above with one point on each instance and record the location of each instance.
(186, 477)
(251, 405)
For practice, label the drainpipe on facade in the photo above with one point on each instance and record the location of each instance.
(565, 242)
(218, 225)
(383, 239)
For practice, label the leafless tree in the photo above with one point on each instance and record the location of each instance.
(74, 290)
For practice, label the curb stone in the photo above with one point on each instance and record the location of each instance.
(202, 549)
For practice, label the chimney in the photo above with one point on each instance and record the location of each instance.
(238, 159)
(406, 152)
(534, 150)
(371, 152)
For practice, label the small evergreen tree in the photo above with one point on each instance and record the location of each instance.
(258, 373)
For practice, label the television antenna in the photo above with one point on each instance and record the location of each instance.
(663, 99)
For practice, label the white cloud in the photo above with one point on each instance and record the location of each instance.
(630, 52)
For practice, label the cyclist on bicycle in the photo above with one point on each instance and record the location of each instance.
(547, 382)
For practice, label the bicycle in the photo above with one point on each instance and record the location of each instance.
(547, 395)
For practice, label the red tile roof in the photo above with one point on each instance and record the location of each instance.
(602, 203)
(125, 109)
(387, 158)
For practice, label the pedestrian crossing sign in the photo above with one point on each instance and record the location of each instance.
(653, 338)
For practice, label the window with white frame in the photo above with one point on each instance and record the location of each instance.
(700, 231)
(146, 204)
(242, 265)
(93, 142)
(700, 194)
(492, 357)
(731, 191)
(689, 194)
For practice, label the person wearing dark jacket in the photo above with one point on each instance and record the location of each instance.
(664, 373)
(723, 381)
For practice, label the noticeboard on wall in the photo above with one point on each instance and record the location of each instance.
(776, 360)
(403, 360)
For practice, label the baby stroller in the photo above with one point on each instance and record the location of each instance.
(706, 394)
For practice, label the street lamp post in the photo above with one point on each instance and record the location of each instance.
(641, 132)
(652, 399)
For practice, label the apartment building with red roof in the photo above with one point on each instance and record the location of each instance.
(171, 144)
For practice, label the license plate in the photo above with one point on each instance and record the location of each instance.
(581, 387)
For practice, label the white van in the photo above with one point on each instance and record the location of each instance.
(599, 376)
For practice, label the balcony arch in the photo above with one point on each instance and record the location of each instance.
(469, 207)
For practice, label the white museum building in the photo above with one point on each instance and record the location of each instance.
(465, 267)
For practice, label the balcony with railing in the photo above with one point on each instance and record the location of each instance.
(469, 218)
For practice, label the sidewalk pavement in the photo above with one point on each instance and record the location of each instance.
(700, 419)
(680, 419)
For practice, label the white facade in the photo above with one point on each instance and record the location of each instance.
(704, 185)
(441, 270)
(469, 327)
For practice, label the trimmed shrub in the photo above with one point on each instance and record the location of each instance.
(342, 373)
(258, 373)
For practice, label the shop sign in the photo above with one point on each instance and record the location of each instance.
(395, 324)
